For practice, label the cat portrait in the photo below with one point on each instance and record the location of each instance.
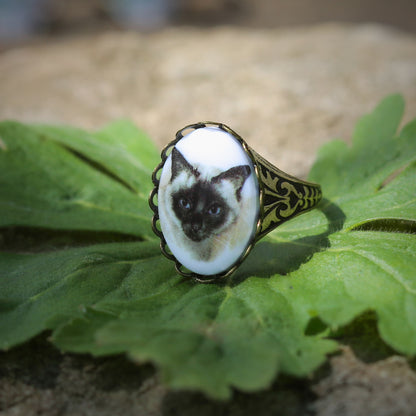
(205, 207)
(203, 210)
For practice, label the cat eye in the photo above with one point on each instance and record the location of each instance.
(214, 210)
(185, 204)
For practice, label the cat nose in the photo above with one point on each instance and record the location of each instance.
(196, 226)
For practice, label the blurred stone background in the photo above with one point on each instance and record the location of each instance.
(25, 17)
(262, 67)
(287, 75)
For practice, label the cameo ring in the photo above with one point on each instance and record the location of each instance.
(214, 197)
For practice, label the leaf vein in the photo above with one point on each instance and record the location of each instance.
(385, 267)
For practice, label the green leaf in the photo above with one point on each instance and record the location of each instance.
(120, 149)
(200, 335)
(39, 291)
(63, 178)
(355, 253)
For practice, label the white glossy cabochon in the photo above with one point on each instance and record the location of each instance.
(210, 151)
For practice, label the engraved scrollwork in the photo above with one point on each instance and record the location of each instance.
(283, 195)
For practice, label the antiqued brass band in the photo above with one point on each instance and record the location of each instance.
(281, 197)
(284, 196)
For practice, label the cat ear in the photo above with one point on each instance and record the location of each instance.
(180, 164)
(236, 175)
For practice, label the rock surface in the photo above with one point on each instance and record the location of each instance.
(286, 92)
(386, 387)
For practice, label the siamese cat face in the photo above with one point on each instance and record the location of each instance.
(205, 207)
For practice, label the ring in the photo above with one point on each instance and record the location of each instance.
(214, 197)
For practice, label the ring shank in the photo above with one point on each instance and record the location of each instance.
(284, 196)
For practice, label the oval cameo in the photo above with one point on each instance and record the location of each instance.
(208, 201)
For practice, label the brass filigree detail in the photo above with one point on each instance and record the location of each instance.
(284, 196)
